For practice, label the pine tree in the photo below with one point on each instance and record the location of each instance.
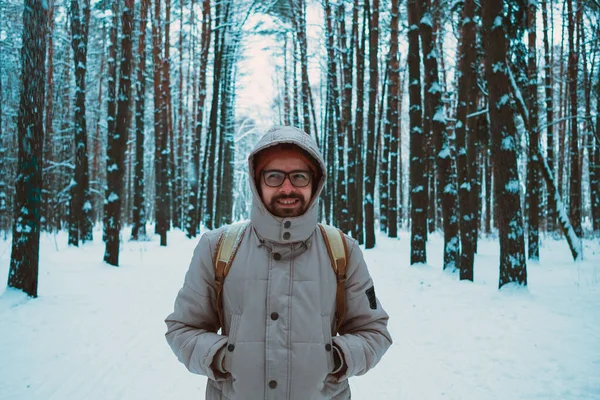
(504, 148)
(25, 253)
(466, 105)
(418, 180)
(139, 210)
(446, 177)
(533, 172)
(370, 167)
(80, 221)
(117, 141)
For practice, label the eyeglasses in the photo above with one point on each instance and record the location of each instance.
(275, 178)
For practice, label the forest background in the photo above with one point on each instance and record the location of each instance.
(464, 117)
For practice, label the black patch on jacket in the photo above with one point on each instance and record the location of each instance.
(371, 296)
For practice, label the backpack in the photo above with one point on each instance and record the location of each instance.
(337, 248)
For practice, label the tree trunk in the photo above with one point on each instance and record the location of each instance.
(466, 105)
(80, 208)
(47, 199)
(393, 117)
(446, 177)
(111, 100)
(371, 166)
(213, 129)
(195, 208)
(575, 179)
(346, 121)
(117, 141)
(504, 148)
(25, 253)
(418, 180)
(533, 175)
(359, 123)
(139, 210)
(549, 90)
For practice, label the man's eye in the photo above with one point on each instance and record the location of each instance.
(274, 175)
(300, 176)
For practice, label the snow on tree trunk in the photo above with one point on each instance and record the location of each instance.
(563, 217)
(418, 180)
(359, 121)
(195, 206)
(24, 260)
(111, 99)
(549, 91)
(369, 201)
(117, 141)
(575, 178)
(80, 220)
(533, 172)
(466, 105)
(393, 116)
(446, 178)
(139, 211)
(346, 120)
(513, 268)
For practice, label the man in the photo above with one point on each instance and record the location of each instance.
(279, 295)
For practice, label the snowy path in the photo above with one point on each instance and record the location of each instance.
(96, 332)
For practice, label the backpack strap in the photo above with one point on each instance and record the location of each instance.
(335, 240)
(227, 246)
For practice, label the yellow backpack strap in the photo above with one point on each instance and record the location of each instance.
(227, 246)
(338, 254)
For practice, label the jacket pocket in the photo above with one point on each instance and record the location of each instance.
(327, 342)
(231, 342)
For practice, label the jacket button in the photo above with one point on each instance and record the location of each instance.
(277, 256)
(286, 235)
(231, 347)
(287, 224)
(274, 316)
(327, 347)
(273, 384)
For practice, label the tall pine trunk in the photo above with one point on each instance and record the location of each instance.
(418, 179)
(195, 206)
(25, 253)
(111, 100)
(139, 198)
(446, 177)
(466, 105)
(393, 117)
(80, 222)
(549, 91)
(359, 123)
(575, 178)
(533, 172)
(371, 165)
(117, 141)
(504, 148)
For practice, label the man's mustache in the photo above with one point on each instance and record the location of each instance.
(292, 195)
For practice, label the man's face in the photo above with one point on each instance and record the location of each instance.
(286, 200)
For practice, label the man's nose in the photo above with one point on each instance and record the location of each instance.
(286, 186)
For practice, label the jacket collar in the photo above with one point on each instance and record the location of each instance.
(283, 230)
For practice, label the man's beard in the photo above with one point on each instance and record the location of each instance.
(278, 210)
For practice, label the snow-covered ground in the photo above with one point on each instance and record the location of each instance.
(97, 332)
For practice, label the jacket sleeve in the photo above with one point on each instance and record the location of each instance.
(363, 336)
(192, 327)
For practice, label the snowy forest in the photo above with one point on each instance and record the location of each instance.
(462, 145)
(466, 118)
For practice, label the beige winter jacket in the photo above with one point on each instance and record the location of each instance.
(279, 305)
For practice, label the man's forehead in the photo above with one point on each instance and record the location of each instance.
(286, 162)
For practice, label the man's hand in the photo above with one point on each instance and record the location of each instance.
(339, 365)
(218, 363)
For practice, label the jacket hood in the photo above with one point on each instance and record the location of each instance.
(289, 229)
